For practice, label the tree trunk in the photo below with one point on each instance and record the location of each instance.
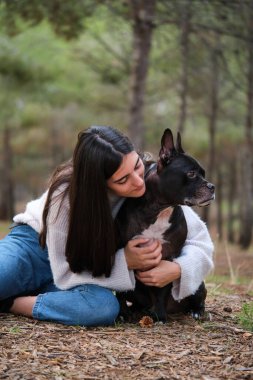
(185, 27)
(231, 201)
(7, 191)
(143, 12)
(219, 197)
(247, 199)
(212, 121)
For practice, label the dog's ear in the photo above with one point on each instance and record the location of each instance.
(167, 145)
(178, 144)
(167, 150)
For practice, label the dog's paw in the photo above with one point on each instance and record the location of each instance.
(196, 315)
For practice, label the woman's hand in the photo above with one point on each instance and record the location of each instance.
(143, 254)
(164, 273)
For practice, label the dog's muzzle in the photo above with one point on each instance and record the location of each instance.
(209, 198)
(203, 197)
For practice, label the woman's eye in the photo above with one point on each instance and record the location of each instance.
(191, 174)
(122, 182)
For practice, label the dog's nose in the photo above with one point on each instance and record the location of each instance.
(210, 186)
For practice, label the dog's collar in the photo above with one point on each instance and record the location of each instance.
(151, 167)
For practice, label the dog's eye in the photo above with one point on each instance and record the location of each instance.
(191, 174)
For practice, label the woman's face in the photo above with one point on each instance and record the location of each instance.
(128, 180)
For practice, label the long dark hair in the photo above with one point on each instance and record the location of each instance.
(91, 240)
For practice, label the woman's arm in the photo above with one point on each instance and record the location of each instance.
(196, 258)
(190, 268)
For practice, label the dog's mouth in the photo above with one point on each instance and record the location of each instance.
(205, 203)
(199, 202)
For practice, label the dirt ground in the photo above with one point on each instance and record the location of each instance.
(216, 348)
(231, 261)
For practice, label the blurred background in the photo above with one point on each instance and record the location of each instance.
(141, 66)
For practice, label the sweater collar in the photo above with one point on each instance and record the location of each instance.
(115, 202)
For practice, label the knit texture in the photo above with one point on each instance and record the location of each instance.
(195, 259)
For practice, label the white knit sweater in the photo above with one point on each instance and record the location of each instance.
(195, 259)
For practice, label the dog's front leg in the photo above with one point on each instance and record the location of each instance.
(160, 296)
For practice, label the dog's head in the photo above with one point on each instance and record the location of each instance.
(181, 178)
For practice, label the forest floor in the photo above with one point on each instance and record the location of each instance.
(212, 349)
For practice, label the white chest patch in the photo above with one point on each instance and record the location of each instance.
(156, 230)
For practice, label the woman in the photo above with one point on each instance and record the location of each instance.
(59, 264)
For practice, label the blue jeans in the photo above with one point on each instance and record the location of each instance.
(25, 270)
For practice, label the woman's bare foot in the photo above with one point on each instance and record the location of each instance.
(23, 305)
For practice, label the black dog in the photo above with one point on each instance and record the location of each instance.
(176, 179)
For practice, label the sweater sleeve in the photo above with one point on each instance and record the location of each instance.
(121, 278)
(195, 259)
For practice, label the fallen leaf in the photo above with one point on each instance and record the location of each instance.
(228, 360)
(111, 359)
(227, 309)
(183, 353)
(146, 321)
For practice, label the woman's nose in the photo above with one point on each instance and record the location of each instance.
(138, 180)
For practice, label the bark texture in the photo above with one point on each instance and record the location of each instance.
(143, 12)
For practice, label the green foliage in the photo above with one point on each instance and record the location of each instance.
(66, 17)
(15, 330)
(246, 316)
(34, 113)
(55, 86)
(15, 65)
(107, 47)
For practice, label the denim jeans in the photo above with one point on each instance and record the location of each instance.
(25, 270)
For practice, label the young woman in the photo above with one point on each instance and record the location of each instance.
(59, 262)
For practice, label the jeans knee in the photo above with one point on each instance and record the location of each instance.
(103, 308)
(87, 305)
(110, 310)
